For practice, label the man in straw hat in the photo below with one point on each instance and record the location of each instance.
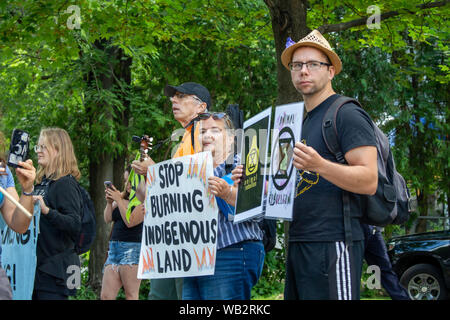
(321, 264)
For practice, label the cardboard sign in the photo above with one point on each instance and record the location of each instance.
(19, 256)
(180, 225)
(255, 144)
(282, 173)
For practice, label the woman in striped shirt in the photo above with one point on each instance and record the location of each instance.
(240, 251)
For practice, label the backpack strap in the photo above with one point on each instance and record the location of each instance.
(193, 135)
(329, 129)
(330, 136)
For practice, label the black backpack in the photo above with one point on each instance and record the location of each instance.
(391, 202)
(87, 232)
(88, 223)
(268, 226)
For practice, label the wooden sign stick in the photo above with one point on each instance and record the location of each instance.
(10, 198)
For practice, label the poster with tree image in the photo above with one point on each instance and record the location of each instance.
(254, 146)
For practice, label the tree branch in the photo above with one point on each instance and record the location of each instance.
(362, 21)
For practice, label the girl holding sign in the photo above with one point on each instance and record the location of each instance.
(240, 252)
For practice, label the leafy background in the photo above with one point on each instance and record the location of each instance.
(103, 82)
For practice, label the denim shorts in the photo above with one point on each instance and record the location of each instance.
(123, 253)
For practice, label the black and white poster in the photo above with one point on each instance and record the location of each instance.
(255, 144)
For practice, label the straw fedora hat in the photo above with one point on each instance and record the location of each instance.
(314, 39)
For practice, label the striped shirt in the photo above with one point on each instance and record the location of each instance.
(228, 232)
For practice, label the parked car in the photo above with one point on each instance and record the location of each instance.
(422, 262)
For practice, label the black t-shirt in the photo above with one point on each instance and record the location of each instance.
(121, 232)
(318, 209)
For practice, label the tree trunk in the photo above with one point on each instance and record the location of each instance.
(106, 166)
(288, 20)
(99, 172)
(423, 204)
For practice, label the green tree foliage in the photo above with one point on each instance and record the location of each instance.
(403, 84)
(98, 69)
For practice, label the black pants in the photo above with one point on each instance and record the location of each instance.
(46, 295)
(323, 271)
(47, 287)
(375, 253)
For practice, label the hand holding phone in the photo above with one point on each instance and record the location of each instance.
(18, 149)
(108, 184)
(108, 187)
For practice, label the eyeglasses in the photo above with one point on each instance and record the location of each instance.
(310, 65)
(39, 147)
(215, 115)
(180, 95)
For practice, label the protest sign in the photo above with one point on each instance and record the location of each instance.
(255, 144)
(180, 224)
(18, 256)
(282, 174)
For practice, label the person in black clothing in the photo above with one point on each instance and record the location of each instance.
(375, 253)
(320, 264)
(61, 202)
(121, 265)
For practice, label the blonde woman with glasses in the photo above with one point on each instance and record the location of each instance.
(60, 199)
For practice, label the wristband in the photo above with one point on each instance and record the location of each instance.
(28, 193)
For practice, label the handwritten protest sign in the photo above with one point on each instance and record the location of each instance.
(286, 131)
(255, 143)
(180, 225)
(19, 256)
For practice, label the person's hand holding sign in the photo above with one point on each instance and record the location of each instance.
(220, 188)
(44, 208)
(306, 158)
(237, 174)
(140, 167)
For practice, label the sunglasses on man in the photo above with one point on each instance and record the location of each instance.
(214, 115)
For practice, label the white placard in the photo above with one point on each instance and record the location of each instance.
(180, 225)
(286, 131)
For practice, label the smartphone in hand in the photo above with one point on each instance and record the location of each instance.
(18, 149)
(108, 184)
